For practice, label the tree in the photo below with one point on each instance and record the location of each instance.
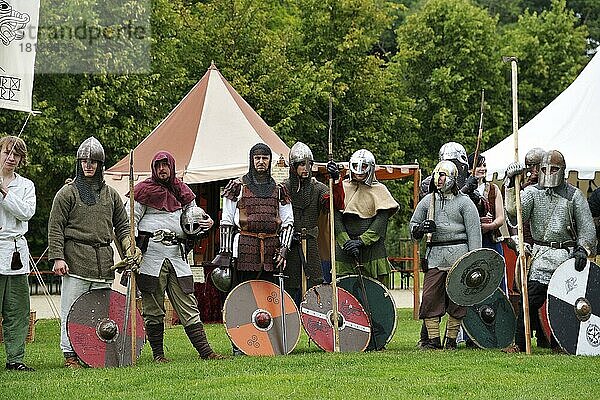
(507, 10)
(551, 52)
(335, 51)
(587, 13)
(447, 53)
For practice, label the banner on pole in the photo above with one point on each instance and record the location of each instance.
(18, 41)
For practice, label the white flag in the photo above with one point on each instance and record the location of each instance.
(18, 40)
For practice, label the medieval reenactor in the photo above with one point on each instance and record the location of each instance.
(161, 203)
(86, 214)
(257, 223)
(310, 198)
(452, 221)
(17, 206)
(561, 227)
(361, 224)
(467, 184)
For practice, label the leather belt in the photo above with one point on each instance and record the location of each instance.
(447, 243)
(262, 237)
(164, 236)
(556, 245)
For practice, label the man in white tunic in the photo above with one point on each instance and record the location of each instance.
(159, 204)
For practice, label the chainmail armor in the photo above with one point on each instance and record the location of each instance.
(552, 214)
(456, 218)
(307, 205)
(89, 188)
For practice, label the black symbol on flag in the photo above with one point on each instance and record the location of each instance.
(9, 86)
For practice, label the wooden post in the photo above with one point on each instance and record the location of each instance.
(416, 255)
(479, 133)
(132, 286)
(334, 297)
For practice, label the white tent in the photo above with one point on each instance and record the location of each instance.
(570, 124)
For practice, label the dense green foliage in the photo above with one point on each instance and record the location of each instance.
(405, 75)
(400, 372)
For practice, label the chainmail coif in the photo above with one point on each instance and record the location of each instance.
(89, 188)
(301, 189)
(259, 183)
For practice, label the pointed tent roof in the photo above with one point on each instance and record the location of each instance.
(568, 124)
(209, 132)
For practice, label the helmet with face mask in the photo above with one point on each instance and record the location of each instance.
(190, 220)
(448, 169)
(533, 158)
(362, 162)
(552, 169)
(454, 151)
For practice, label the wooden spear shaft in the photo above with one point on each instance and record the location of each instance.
(479, 133)
(522, 257)
(305, 256)
(132, 284)
(334, 297)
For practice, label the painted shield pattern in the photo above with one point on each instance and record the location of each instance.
(380, 307)
(255, 319)
(573, 304)
(95, 327)
(353, 322)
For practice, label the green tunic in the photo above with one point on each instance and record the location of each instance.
(365, 216)
(81, 234)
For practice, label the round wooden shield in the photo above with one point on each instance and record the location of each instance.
(475, 276)
(510, 259)
(95, 327)
(381, 308)
(574, 308)
(544, 321)
(353, 323)
(492, 323)
(254, 319)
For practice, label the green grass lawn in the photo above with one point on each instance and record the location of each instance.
(402, 371)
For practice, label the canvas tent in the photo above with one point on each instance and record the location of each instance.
(209, 133)
(568, 124)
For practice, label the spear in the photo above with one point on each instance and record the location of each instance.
(131, 286)
(479, 133)
(334, 297)
(522, 257)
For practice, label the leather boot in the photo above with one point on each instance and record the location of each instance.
(155, 334)
(198, 339)
(423, 338)
(71, 361)
(450, 344)
(432, 344)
